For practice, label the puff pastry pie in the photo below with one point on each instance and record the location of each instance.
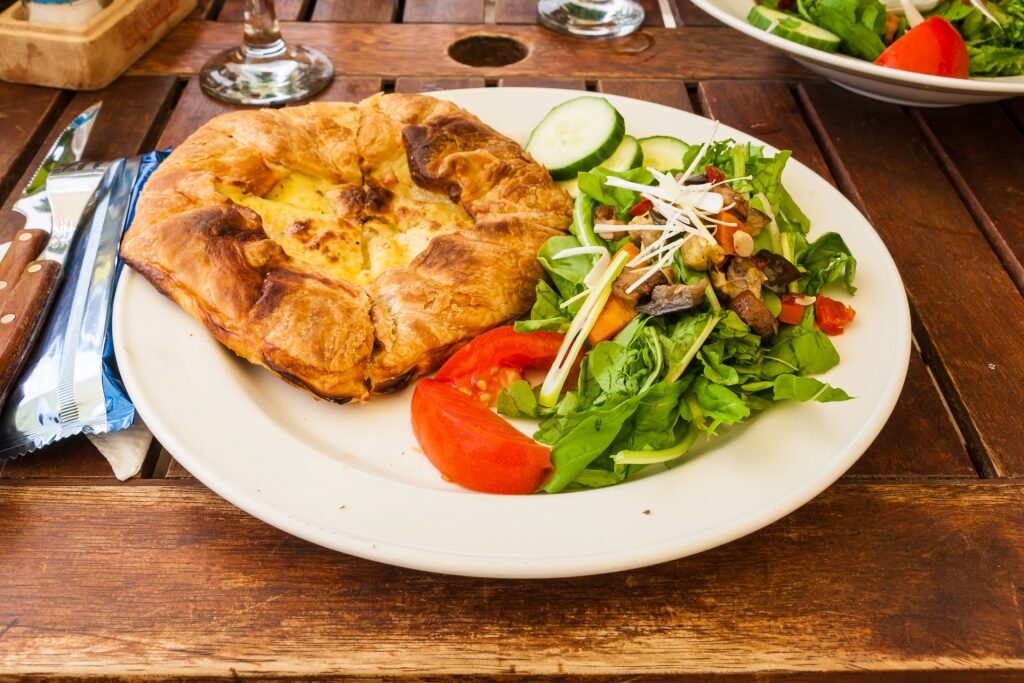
(349, 248)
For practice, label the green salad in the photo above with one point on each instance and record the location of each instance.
(957, 38)
(688, 291)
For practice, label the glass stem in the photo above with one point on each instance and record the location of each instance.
(262, 34)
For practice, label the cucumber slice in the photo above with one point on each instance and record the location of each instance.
(793, 28)
(576, 136)
(628, 155)
(663, 153)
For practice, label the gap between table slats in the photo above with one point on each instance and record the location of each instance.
(968, 312)
(982, 152)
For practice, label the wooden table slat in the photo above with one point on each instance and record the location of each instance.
(971, 315)
(415, 85)
(977, 145)
(180, 583)
(74, 458)
(386, 50)
(28, 113)
(671, 93)
(691, 15)
(526, 82)
(355, 10)
(447, 12)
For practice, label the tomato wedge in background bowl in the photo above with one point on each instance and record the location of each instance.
(468, 443)
(932, 47)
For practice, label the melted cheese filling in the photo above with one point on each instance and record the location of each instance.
(336, 230)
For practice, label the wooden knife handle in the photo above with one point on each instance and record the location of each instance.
(26, 245)
(20, 318)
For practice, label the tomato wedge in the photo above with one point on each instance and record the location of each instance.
(932, 47)
(497, 358)
(473, 447)
(831, 315)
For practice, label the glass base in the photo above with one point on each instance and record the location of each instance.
(274, 75)
(600, 18)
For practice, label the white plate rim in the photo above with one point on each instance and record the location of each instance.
(853, 65)
(502, 567)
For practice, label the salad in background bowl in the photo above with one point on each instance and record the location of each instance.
(953, 38)
(914, 52)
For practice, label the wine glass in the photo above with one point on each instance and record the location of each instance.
(265, 70)
(602, 18)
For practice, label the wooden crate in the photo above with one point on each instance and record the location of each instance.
(87, 56)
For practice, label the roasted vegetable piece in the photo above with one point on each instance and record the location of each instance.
(755, 314)
(779, 271)
(742, 274)
(699, 254)
(667, 299)
(626, 280)
(792, 312)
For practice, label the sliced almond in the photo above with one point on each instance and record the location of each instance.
(805, 300)
(743, 243)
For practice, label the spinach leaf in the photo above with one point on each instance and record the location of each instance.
(800, 352)
(587, 440)
(519, 400)
(719, 403)
(806, 389)
(567, 274)
(652, 427)
(615, 368)
(546, 314)
(826, 260)
(592, 183)
(712, 355)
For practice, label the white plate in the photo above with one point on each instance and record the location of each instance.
(865, 78)
(352, 478)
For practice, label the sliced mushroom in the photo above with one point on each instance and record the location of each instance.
(779, 271)
(628, 277)
(699, 254)
(741, 275)
(753, 220)
(755, 314)
(667, 299)
(698, 179)
(756, 221)
(605, 214)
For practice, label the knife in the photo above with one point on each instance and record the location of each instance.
(29, 284)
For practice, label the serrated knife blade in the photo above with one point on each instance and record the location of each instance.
(68, 147)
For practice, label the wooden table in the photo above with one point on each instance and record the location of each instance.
(911, 568)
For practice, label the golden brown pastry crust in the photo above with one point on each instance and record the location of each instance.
(443, 215)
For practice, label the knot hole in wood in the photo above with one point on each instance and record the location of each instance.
(484, 50)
